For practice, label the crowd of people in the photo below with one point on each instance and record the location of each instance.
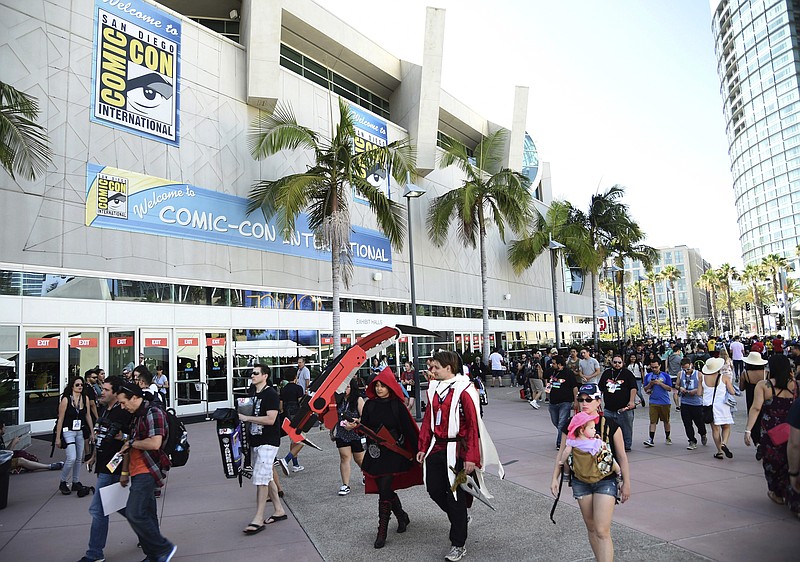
(592, 398)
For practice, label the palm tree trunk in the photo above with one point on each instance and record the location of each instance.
(594, 311)
(675, 306)
(622, 301)
(759, 310)
(336, 277)
(730, 308)
(484, 290)
(655, 309)
(714, 308)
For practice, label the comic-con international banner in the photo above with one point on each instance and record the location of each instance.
(370, 132)
(133, 202)
(136, 73)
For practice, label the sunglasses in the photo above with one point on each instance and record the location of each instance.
(78, 384)
(587, 400)
(255, 374)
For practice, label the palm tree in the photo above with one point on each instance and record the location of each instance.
(709, 281)
(24, 146)
(671, 274)
(653, 278)
(637, 291)
(606, 219)
(773, 264)
(489, 194)
(624, 248)
(324, 188)
(752, 274)
(554, 226)
(726, 274)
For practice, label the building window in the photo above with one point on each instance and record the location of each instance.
(225, 27)
(443, 140)
(338, 84)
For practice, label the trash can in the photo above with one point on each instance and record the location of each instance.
(5, 472)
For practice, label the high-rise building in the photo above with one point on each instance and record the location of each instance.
(756, 46)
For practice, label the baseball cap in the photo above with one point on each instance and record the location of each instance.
(579, 420)
(591, 390)
(553, 350)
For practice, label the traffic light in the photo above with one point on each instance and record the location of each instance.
(747, 306)
(765, 309)
(781, 322)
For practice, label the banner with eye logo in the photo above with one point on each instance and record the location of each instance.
(136, 72)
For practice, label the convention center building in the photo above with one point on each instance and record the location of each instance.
(135, 246)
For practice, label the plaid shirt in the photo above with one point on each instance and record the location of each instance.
(151, 421)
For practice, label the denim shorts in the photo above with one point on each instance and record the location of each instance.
(607, 486)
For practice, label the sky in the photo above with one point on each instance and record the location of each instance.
(621, 92)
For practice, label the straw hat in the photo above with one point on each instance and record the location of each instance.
(754, 358)
(713, 365)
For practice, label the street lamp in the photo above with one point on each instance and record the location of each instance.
(413, 192)
(641, 301)
(614, 269)
(554, 247)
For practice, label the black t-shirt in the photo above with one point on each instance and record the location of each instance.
(120, 420)
(263, 402)
(291, 394)
(616, 386)
(794, 415)
(561, 384)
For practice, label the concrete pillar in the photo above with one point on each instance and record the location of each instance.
(516, 140)
(261, 36)
(430, 91)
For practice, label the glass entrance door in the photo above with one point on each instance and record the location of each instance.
(216, 367)
(43, 380)
(190, 380)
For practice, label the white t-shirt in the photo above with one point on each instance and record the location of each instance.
(737, 351)
(304, 378)
(496, 361)
(159, 381)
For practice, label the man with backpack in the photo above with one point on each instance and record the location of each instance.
(144, 467)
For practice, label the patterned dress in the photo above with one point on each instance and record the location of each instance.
(776, 464)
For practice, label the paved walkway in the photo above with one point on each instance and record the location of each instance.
(685, 505)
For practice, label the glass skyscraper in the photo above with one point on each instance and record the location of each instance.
(756, 44)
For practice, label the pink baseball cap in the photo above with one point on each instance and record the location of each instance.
(579, 420)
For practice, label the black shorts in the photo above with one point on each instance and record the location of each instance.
(355, 445)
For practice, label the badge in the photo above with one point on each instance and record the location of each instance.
(76, 425)
(438, 417)
(374, 451)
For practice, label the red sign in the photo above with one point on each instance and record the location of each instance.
(43, 343)
(403, 339)
(458, 339)
(602, 324)
(345, 340)
(83, 342)
(326, 341)
(185, 342)
(120, 342)
(215, 341)
(155, 342)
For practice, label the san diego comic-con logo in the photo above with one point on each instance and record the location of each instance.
(112, 196)
(136, 78)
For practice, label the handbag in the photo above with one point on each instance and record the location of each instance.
(708, 411)
(779, 434)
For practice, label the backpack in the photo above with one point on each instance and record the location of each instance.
(590, 468)
(176, 445)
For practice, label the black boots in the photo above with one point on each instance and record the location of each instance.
(384, 513)
(402, 517)
(64, 488)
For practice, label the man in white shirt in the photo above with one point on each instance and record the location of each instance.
(497, 367)
(590, 368)
(303, 374)
(737, 355)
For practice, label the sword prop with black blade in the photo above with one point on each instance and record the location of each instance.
(560, 485)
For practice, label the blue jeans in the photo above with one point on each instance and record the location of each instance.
(141, 514)
(74, 449)
(559, 414)
(99, 529)
(640, 390)
(607, 486)
(625, 422)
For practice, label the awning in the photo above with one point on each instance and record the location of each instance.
(609, 311)
(271, 348)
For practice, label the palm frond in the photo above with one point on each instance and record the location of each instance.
(388, 213)
(490, 151)
(24, 145)
(271, 133)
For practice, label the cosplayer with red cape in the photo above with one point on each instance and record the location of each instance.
(392, 437)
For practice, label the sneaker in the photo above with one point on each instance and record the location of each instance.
(169, 555)
(85, 559)
(363, 480)
(692, 445)
(535, 404)
(298, 468)
(57, 465)
(648, 443)
(456, 553)
(284, 466)
(64, 488)
(669, 440)
(344, 490)
(704, 440)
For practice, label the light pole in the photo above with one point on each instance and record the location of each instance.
(641, 301)
(554, 247)
(614, 269)
(413, 192)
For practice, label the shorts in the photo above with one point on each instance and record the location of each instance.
(537, 385)
(659, 412)
(356, 446)
(263, 457)
(606, 486)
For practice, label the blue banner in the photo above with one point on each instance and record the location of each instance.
(136, 69)
(133, 202)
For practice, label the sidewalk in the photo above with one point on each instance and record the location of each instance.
(685, 505)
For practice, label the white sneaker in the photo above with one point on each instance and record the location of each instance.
(535, 404)
(284, 466)
(298, 468)
(344, 490)
(456, 553)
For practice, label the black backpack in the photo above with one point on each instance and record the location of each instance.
(176, 446)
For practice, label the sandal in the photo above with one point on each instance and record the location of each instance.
(253, 529)
(776, 498)
(727, 451)
(718, 455)
(275, 518)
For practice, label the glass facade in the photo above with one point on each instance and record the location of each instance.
(757, 63)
